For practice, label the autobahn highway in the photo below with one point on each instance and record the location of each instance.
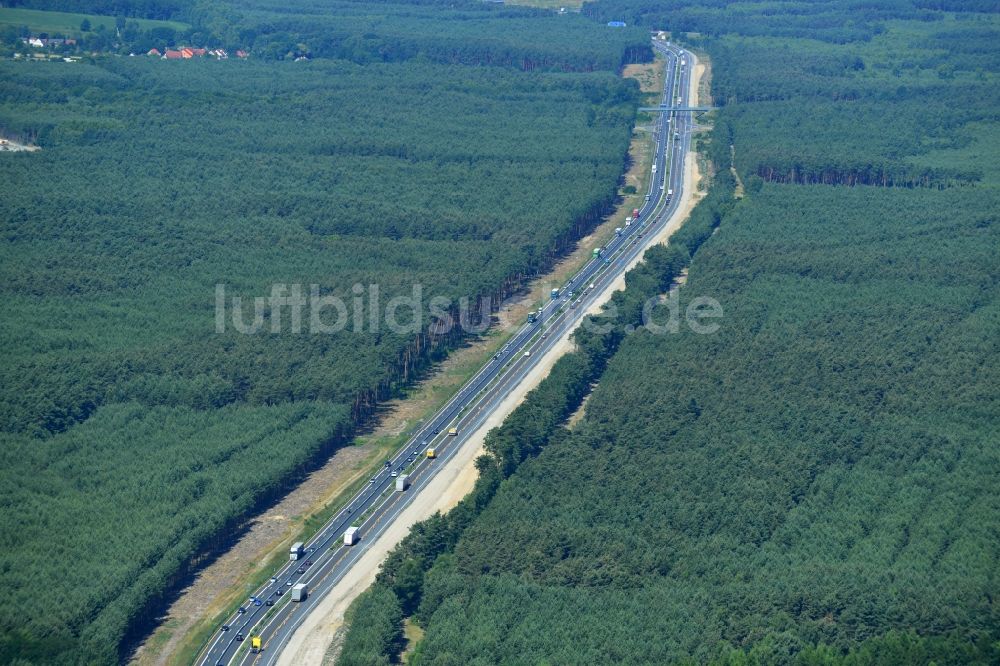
(376, 505)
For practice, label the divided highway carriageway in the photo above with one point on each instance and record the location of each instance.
(269, 616)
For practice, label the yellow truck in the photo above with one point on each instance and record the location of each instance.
(432, 453)
(452, 432)
(255, 644)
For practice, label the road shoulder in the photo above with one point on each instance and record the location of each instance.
(310, 643)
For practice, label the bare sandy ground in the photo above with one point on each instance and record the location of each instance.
(10, 146)
(219, 584)
(311, 641)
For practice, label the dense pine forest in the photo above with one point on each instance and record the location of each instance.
(814, 483)
(135, 437)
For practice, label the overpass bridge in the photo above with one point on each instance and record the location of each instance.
(678, 109)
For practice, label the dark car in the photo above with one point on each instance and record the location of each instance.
(301, 570)
(279, 592)
(257, 602)
(242, 610)
(239, 638)
(437, 430)
(270, 602)
(225, 627)
(309, 563)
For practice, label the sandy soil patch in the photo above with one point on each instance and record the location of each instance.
(310, 644)
(11, 146)
(223, 582)
(311, 641)
(220, 583)
(703, 75)
(649, 75)
(580, 412)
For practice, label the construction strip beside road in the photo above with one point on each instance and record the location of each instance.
(310, 642)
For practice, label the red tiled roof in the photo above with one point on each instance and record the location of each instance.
(173, 55)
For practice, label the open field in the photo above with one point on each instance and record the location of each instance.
(570, 5)
(69, 23)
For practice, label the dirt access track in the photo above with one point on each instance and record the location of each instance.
(310, 643)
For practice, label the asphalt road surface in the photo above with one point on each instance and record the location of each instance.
(269, 613)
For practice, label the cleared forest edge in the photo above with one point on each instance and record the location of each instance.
(264, 540)
(311, 644)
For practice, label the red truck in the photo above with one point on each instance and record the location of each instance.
(635, 214)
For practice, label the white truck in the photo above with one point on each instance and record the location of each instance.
(352, 535)
(300, 592)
